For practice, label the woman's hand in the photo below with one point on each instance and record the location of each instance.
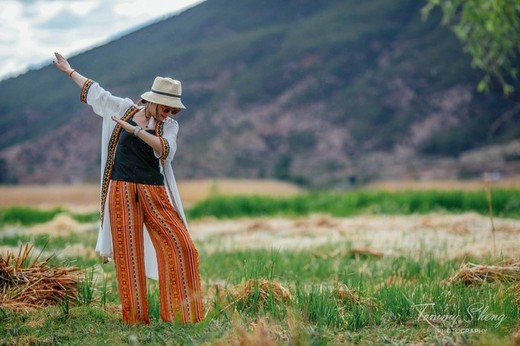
(126, 126)
(152, 140)
(61, 63)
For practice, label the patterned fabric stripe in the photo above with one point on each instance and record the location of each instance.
(179, 283)
(112, 144)
(159, 130)
(84, 90)
(127, 231)
(165, 148)
(180, 291)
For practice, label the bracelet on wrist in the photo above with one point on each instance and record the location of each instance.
(137, 129)
(71, 72)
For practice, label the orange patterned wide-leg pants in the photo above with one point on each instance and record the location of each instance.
(132, 205)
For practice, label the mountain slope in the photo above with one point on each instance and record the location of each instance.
(318, 92)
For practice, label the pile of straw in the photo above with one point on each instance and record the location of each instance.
(346, 294)
(262, 289)
(27, 284)
(349, 296)
(473, 274)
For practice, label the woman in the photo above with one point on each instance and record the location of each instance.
(143, 227)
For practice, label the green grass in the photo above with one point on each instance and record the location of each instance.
(506, 203)
(51, 243)
(390, 293)
(27, 216)
(315, 314)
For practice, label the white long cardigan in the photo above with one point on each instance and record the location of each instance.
(105, 104)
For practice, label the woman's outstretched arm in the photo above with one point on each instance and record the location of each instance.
(63, 65)
(103, 103)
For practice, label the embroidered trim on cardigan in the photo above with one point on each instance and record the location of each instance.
(84, 90)
(165, 148)
(112, 144)
(159, 129)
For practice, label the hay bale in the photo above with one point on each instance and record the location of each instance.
(26, 284)
(473, 274)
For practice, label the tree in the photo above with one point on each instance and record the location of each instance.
(490, 32)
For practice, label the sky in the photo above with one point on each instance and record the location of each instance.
(32, 30)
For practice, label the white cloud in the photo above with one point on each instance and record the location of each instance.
(31, 30)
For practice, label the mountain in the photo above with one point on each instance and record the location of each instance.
(320, 92)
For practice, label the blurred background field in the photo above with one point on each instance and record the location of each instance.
(267, 198)
(475, 184)
(85, 197)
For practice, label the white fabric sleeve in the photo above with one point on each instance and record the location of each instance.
(169, 141)
(105, 104)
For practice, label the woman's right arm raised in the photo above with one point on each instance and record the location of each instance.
(102, 102)
(63, 65)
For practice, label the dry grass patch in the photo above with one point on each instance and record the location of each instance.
(515, 338)
(516, 292)
(258, 333)
(318, 221)
(192, 191)
(356, 252)
(258, 291)
(26, 284)
(260, 224)
(474, 274)
(61, 225)
(80, 197)
(349, 295)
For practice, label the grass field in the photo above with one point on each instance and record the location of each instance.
(304, 275)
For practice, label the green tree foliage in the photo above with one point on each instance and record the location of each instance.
(490, 32)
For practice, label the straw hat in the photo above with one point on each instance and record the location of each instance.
(166, 92)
